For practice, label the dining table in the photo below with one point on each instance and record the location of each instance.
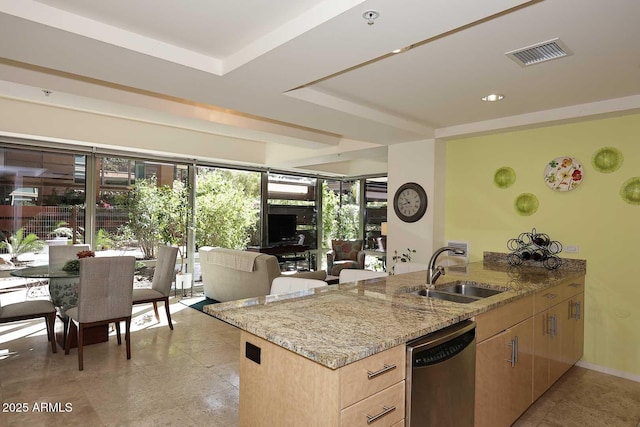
(63, 291)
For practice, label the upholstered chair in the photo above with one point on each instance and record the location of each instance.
(345, 254)
(284, 284)
(33, 309)
(352, 275)
(163, 276)
(64, 292)
(105, 295)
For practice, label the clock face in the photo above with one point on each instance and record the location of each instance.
(410, 202)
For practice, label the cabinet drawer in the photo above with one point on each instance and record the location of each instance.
(365, 377)
(548, 298)
(385, 407)
(573, 287)
(503, 317)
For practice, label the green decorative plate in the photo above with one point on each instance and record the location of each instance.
(526, 204)
(630, 191)
(504, 177)
(607, 160)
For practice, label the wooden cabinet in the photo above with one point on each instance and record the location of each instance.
(279, 387)
(503, 375)
(558, 333)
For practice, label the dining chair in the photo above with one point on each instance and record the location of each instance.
(353, 275)
(63, 291)
(27, 310)
(105, 295)
(284, 284)
(163, 276)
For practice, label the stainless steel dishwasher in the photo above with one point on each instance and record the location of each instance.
(441, 372)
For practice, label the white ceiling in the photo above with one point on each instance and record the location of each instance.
(311, 79)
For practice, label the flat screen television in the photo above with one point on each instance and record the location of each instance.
(281, 228)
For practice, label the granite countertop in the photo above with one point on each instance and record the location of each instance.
(340, 324)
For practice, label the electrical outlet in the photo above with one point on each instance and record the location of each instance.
(572, 249)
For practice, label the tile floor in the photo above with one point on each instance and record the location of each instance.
(189, 377)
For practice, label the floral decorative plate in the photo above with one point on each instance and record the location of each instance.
(563, 174)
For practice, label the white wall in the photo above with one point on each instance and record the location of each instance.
(421, 162)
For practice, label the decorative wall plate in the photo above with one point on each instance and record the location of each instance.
(526, 204)
(607, 160)
(504, 177)
(563, 173)
(630, 191)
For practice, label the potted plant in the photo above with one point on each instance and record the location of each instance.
(19, 244)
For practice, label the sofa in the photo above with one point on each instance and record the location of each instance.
(229, 275)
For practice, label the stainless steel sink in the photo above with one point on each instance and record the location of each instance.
(469, 290)
(460, 292)
(431, 293)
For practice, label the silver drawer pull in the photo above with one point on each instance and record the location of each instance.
(385, 410)
(386, 368)
(575, 285)
(550, 295)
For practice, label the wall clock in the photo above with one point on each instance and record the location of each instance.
(410, 202)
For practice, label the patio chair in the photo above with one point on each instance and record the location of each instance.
(160, 289)
(105, 295)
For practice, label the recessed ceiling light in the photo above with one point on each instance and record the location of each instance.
(493, 97)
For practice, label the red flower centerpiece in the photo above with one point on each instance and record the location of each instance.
(74, 264)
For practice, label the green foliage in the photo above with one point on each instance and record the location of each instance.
(104, 240)
(339, 221)
(330, 205)
(228, 206)
(156, 214)
(19, 244)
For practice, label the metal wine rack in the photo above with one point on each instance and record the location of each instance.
(535, 247)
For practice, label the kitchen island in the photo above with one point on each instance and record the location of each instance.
(317, 336)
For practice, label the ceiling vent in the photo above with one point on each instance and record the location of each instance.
(541, 52)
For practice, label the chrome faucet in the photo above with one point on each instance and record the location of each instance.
(434, 272)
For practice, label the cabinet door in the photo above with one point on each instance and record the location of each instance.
(573, 349)
(540, 354)
(521, 379)
(492, 380)
(504, 365)
(559, 338)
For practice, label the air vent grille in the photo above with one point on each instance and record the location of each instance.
(541, 52)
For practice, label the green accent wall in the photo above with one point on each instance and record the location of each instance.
(593, 216)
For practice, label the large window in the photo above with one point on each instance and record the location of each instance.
(375, 212)
(132, 205)
(42, 199)
(140, 205)
(293, 197)
(227, 208)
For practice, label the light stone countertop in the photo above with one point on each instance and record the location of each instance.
(340, 324)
